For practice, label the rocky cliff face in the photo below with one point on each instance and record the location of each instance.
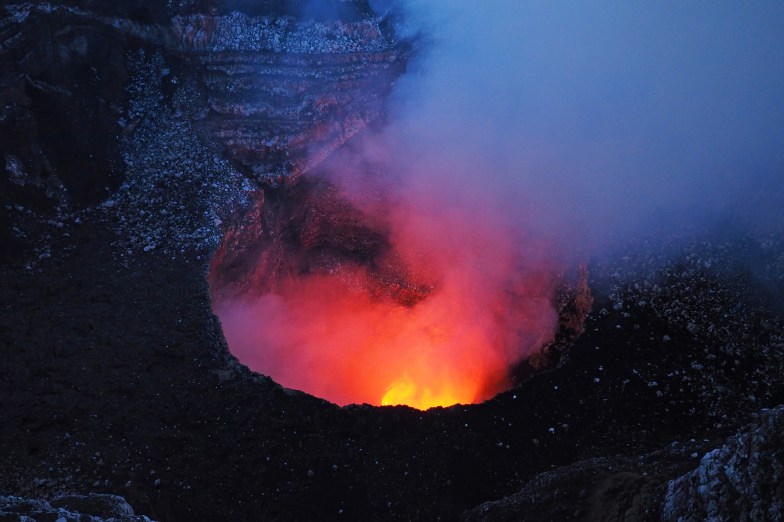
(279, 96)
(272, 93)
(741, 480)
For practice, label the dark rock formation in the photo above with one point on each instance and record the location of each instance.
(742, 480)
(69, 508)
(597, 489)
(61, 85)
(274, 93)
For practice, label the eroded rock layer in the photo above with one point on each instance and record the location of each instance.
(279, 96)
(274, 93)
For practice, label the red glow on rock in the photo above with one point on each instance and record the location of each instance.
(345, 333)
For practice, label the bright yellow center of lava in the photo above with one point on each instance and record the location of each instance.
(404, 391)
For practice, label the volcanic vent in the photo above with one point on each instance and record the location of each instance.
(357, 296)
(350, 276)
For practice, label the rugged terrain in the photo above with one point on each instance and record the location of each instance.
(132, 141)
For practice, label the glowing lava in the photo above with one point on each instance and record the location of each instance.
(425, 297)
(336, 336)
(405, 391)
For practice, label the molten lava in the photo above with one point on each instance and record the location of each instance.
(347, 331)
(328, 336)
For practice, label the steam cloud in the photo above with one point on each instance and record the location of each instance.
(603, 118)
(528, 135)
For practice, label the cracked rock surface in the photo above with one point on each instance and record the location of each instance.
(741, 480)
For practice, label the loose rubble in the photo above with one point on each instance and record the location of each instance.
(176, 191)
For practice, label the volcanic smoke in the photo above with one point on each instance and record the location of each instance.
(526, 133)
(482, 300)
(435, 312)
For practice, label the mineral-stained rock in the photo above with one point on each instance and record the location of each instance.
(574, 302)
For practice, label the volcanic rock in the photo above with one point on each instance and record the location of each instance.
(278, 95)
(61, 86)
(742, 480)
(93, 507)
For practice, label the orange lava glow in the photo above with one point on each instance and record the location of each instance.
(334, 336)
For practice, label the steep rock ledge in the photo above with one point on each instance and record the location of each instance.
(279, 96)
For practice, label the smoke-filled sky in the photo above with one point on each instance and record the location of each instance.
(607, 117)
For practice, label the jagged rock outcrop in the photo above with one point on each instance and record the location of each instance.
(742, 480)
(274, 93)
(92, 507)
